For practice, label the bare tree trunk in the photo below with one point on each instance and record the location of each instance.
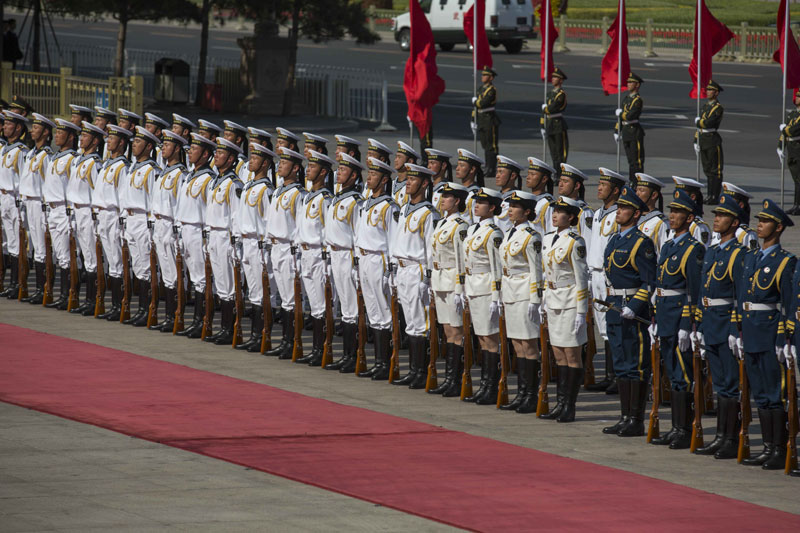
(122, 35)
(201, 67)
(289, 91)
(37, 33)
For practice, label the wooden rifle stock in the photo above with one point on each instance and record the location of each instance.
(238, 296)
(72, 298)
(327, 350)
(266, 305)
(49, 267)
(125, 304)
(591, 348)
(699, 402)
(432, 382)
(746, 414)
(466, 376)
(791, 443)
(152, 310)
(502, 386)
(100, 297)
(297, 350)
(180, 288)
(542, 405)
(394, 362)
(653, 430)
(209, 296)
(2, 260)
(361, 357)
(24, 267)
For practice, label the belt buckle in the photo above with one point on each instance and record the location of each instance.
(436, 265)
(505, 272)
(660, 292)
(551, 285)
(706, 301)
(468, 271)
(746, 306)
(304, 246)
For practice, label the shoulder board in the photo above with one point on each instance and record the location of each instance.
(494, 227)
(530, 230)
(458, 220)
(439, 186)
(574, 235)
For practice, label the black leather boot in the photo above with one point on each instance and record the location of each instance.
(635, 425)
(666, 438)
(288, 348)
(12, 291)
(168, 324)
(383, 347)
(765, 419)
(423, 359)
(225, 335)
(574, 380)
(317, 325)
(140, 319)
(608, 372)
(137, 284)
(256, 327)
(729, 449)
(348, 341)
(454, 388)
(115, 287)
(319, 342)
(412, 365)
(37, 297)
(351, 347)
(561, 394)
(64, 292)
(531, 399)
(281, 347)
(522, 386)
(482, 384)
(683, 437)
(376, 364)
(195, 329)
(89, 301)
(624, 407)
(492, 380)
(720, 434)
(448, 371)
(777, 461)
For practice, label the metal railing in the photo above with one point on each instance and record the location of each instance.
(340, 92)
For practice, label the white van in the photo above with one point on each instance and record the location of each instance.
(508, 22)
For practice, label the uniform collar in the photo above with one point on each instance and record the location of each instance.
(679, 238)
(410, 208)
(313, 194)
(773, 248)
(372, 201)
(486, 221)
(623, 233)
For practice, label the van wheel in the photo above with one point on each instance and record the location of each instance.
(405, 39)
(513, 47)
(446, 47)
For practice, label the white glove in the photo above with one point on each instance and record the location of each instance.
(424, 288)
(543, 132)
(580, 321)
(474, 127)
(474, 99)
(652, 329)
(780, 154)
(780, 354)
(458, 301)
(354, 276)
(791, 354)
(616, 137)
(542, 313)
(328, 270)
(781, 127)
(533, 314)
(739, 348)
(732, 343)
(618, 111)
(544, 106)
(683, 340)
(627, 313)
(696, 148)
(494, 311)
(698, 340)
(696, 120)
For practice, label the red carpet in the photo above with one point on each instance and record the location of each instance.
(448, 476)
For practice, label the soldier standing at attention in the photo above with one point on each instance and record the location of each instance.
(708, 143)
(540, 181)
(789, 149)
(699, 229)
(629, 128)
(554, 127)
(485, 118)
(405, 154)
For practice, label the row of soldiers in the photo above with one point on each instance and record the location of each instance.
(471, 272)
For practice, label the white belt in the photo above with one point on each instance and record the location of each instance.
(555, 115)
(514, 271)
(485, 110)
(560, 284)
(702, 130)
(714, 302)
(408, 262)
(473, 271)
(670, 292)
(440, 266)
(793, 139)
(750, 306)
(629, 122)
(621, 292)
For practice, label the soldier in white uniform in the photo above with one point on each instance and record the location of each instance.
(566, 302)
(252, 228)
(286, 139)
(183, 126)
(191, 219)
(237, 134)
(698, 229)
(262, 138)
(439, 163)
(509, 179)
(79, 198)
(318, 143)
(410, 252)
(79, 113)
(102, 117)
(540, 181)
(111, 178)
(572, 184)
(128, 119)
(447, 252)
(164, 207)
(744, 234)
(469, 171)
(404, 154)
(341, 221)
(654, 223)
(136, 205)
(208, 129)
(345, 145)
(31, 183)
(13, 157)
(379, 151)
(282, 231)
(55, 195)
(155, 125)
(609, 187)
(483, 275)
(220, 224)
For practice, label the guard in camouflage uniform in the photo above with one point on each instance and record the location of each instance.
(632, 134)
(485, 118)
(554, 127)
(708, 143)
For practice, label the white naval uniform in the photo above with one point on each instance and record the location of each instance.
(134, 198)
(447, 252)
(282, 230)
(543, 221)
(373, 245)
(31, 183)
(521, 259)
(223, 202)
(411, 243)
(744, 236)
(399, 193)
(436, 197)
(310, 239)
(12, 158)
(340, 224)
(191, 217)
(585, 222)
(469, 213)
(105, 202)
(55, 194)
(604, 225)
(163, 207)
(654, 224)
(252, 227)
(566, 287)
(482, 268)
(501, 219)
(79, 196)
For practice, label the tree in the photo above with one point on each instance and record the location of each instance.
(205, 11)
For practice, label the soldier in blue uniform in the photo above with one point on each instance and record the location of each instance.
(630, 265)
(763, 304)
(677, 290)
(718, 331)
(794, 318)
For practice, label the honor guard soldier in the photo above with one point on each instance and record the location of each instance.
(571, 184)
(789, 149)
(604, 226)
(55, 195)
(345, 145)
(790, 353)
(79, 198)
(379, 151)
(628, 128)
(103, 117)
(191, 218)
(341, 222)
(155, 125)
(223, 202)
(722, 281)
(482, 287)
(404, 154)
(20, 106)
(708, 143)
(237, 134)
(699, 229)
(287, 139)
(447, 253)
(183, 126)
(319, 144)
(209, 130)
(261, 138)
(251, 229)
(522, 288)
(136, 204)
(554, 127)
(374, 233)
(282, 232)
(677, 294)
(439, 163)
(540, 181)
(469, 172)
(653, 222)
(128, 119)
(509, 178)
(744, 234)
(164, 207)
(764, 306)
(410, 252)
(630, 264)
(79, 113)
(484, 116)
(13, 157)
(31, 183)
(111, 179)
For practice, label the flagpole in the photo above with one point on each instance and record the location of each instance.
(546, 5)
(619, 77)
(475, 69)
(699, 37)
(783, 97)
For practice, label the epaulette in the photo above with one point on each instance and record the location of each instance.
(574, 235)
(785, 252)
(494, 227)
(459, 220)
(531, 230)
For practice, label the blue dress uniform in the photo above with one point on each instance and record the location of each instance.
(763, 303)
(630, 265)
(677, 291)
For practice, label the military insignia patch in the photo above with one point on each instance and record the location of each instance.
(766, 204)
(677, 194)
(753, 244)
(396, 216)
(649, 253)
(497, 242)
(704, 236)
(537, 246)
(589, 222)
(581, 251)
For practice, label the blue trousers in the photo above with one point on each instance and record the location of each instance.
(630, 350)
(677, 364)
(724, 367)
(767, 379)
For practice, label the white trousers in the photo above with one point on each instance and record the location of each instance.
(59, 234)
(110, 237)
(164, 240)
(344, 285)
(599, 289)
(138, 236)
(415, 307)
(192, 237)
(312, 272)
(375, 289)
(253, 271)
(283, 267)
(35, 223)
(219, 250)
(10, 217)
(87, 240)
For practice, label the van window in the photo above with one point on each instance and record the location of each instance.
(462, 2)
(425, 5)
(522, 2)
(506, 2)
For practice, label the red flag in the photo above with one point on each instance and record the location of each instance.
(714, 35)
(792, 66)
(421, 83)
(615, 63)
(548, 27)
(483, 55)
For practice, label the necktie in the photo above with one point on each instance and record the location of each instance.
(513, 230)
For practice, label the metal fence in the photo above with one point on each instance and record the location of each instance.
(340, 92)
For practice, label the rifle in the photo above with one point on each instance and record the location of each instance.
(791, 403)
(655, 361)
(266, 305)
(699, 401)
(619, 310)
(24, 267)
(49, 267)
(394, 362)
(327, 351)
(238, 296)
(431, 381)
(542, 404)
(180, 289)
(502, 386)
(297, 350)
(72, 298)
(125, 304)
(361, 357)
(209, 293)
(2, 261)
(152, 310)
(466, 376)
(591, 348)
(100, 297)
